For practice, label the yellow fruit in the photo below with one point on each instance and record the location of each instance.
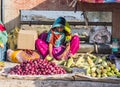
(89, 60)
(104, 75)
(109, 63)
(91, 56)
(104, 63)
(70, 62)
(93, 69)
(108, 69)
(79, 61)
(113, 66)
(118, 74)
(104, 58)
(98, 76)
(98, 71)
(104, 71)
(88, 71)
(109, 74)
(98, 60)
(116, 70)
(68, 70)
(2, 63)
(58, 62)
(48, 58)
(93, 74)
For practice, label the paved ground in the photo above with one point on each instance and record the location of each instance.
(53, 83)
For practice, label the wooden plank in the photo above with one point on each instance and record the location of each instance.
(116, 24)
(82, 6)
(70, 22)
(40, 15)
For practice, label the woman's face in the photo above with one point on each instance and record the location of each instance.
(59, 29)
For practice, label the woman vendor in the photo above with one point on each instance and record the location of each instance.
(58, 43)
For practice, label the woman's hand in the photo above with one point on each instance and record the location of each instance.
(64, 55)
(51, 55)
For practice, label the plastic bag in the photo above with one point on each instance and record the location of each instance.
(20, 56)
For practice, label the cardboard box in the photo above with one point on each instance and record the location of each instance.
(26, 39)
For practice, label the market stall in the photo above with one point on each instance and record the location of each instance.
(85, 69)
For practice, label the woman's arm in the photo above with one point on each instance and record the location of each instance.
(67, 48)
(50, 49)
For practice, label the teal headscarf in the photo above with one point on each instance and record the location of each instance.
(61, 22)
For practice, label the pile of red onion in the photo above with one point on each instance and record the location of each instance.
(37, 67)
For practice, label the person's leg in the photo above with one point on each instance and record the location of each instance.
(41, 45)
(74, 44)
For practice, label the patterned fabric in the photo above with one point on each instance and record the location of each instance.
(101, 1)
(19, 56)
(59, 37)
(56, 38)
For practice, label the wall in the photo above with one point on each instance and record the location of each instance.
(11, 12)
(12, 8)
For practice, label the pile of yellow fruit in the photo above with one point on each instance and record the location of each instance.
(95, 66)
(2, 64)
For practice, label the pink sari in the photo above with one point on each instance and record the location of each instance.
(42, 46)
